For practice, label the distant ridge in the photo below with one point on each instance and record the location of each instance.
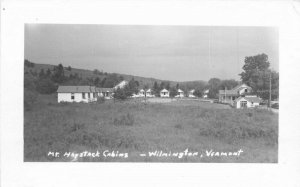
(147, 81)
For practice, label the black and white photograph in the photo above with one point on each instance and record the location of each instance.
(150, 93)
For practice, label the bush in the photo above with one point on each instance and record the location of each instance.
(100, 100)
(120, 94)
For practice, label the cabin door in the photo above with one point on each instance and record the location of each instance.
(243, 104)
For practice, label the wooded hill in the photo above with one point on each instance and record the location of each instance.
(60, 75)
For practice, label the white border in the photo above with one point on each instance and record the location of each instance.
(282, 14)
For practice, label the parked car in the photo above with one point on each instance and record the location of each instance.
(276, 106)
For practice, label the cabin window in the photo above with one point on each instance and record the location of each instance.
(246, 90)
(83, 95)
(72, 96)
(243, 104)
(89, 95)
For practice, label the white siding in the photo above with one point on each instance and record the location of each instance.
(66, 97)
(249, 104)
(164, 95)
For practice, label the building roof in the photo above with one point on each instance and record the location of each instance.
(252, 99)
(104, 89)
(192, 91)
(228, 92)
(122, 84)
(142, 90)
(240, 86)
(179, 90)
(164, 90)
(149, 90)
(76, 89)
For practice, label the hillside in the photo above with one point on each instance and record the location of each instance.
(84, 74)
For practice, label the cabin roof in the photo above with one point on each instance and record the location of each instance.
(228, 92)
(104, 89)
(250, 99)
(76, 89)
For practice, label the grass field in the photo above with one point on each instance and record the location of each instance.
(135, 127)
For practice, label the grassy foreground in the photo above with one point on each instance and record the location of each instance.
(134, 127)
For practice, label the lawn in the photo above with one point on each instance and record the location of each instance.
(133, 127)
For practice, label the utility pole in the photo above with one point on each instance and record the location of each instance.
(270, 89)
(225, 94)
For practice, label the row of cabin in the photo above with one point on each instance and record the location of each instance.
(240, 97)
(85, 94)
(166, 93)
(82, 93)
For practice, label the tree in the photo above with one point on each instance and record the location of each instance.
(214, 86)
(96, 72)
(69, 68)
(198, 93)
(29, 64)
(48, 73)
(173, 91)
(256, 74)
(97, 82)
(59, 75)
(120, 94)
(253, 66)
(42, 74)
(133, 86)
(155, 89)
(229, 84)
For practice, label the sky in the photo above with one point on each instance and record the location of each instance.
(175, 53)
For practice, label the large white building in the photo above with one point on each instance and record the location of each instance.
(228, 96)
(76, 94)
(247, 102)
(107, 93)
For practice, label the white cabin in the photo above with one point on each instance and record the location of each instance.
(180, 93)
(191, 93)
(76, 94)
(164, 93)
(149, 93)
(247, 102)
(142, 93)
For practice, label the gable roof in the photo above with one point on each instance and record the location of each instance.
(250, 99)
(164, 90)
(149, 90)
(253, 99)
(179, 90)
(228, 92)
(239, 86)
(121, 84)
(104, 89)
(76, 89)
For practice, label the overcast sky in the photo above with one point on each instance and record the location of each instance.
(178, 53)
